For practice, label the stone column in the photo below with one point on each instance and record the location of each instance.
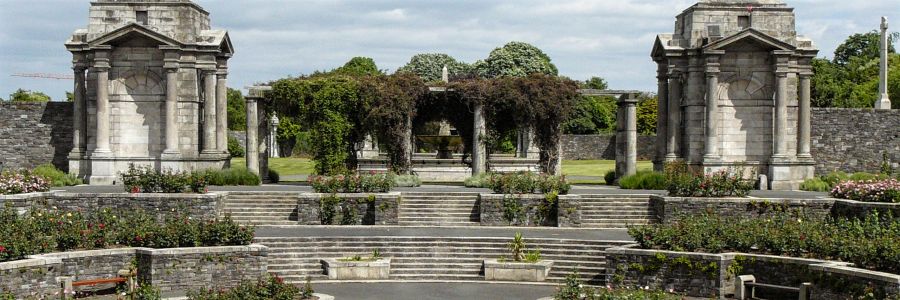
(78, 114)
(711, 151)
(171, 112)
(222, 111)
(674, 115)
(626, 136)
(662, 102)
(781, 116)
(273, 136)
(479, 151)
(209, 112)
(101, 67)
(804, 125)
(252, 135)
(884, 102)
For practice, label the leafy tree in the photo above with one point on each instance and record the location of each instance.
(237, 112)
(516, 59)
(865, 45)
(647, 110)
(70, 97)
(596, 83)
(359, 66)
(393, 102)
(592, 115)
(851, 79)
(430, 66)
(28, 96)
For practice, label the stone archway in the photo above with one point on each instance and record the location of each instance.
(137, 99)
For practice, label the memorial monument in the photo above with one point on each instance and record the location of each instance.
(734, 90)
(884, 102)
(150, 89)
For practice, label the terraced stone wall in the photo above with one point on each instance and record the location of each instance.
(185, 269)
(530, 210)
(206, 206)
(668, 209)
(348, 209)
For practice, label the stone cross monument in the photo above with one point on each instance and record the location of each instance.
(884, 102)
(734, 90)
(150, 89)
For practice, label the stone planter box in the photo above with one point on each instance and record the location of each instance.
(566, 211)
(516, 271)
(357, 270)
(363, 208)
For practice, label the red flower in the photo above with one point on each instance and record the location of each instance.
(135, 190)
(138, 238)
(101, 226)
(2, 249)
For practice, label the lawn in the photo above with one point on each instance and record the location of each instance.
(593, 169)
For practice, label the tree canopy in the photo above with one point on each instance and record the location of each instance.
(850, 80)
(429, 66)
(516, 59)
(22, 95)
(237, 113)
(595, 83)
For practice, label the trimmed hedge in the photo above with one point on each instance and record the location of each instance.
(644, 180)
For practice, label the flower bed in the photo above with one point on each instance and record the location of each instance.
(868, 190)
(145, 179)
(50, 230)
(870, 243)
(271, 287)
(353, 183)
(22, 182)
(528, 183)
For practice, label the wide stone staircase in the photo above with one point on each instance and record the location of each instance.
(439, 209)
(432, 258)
(262, 208)
(615, 211)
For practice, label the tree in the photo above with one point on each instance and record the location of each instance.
(359, 66)
(595, 83)
(430, 66)
(237, 112)
(393, 102)
(647, 109)
(592, 115)
(865, 45)
(516, 59)
(70, 97)
(851, 79)
(28, 96)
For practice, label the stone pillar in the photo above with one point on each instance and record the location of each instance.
(804, 123)
(781, 116)
(884, 102)
(171, 112)
(209, 112)
(711, 151)
(222, 111)
(626, 136)
(102, 144)
(78, 116)
(479, 151)
(273, 136)
(252, 143)
(674, 116)
(662, 102)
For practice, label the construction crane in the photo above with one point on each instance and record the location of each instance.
(45, 76)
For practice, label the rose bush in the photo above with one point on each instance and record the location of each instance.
(868, 190)
(21, 182)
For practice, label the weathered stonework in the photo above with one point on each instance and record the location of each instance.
(855, 140)
(184, 269)
(150, 88)
(33, 134)
(337, 269)
(365, 209)
(717, 74)
(495, 270)
(204, 206)
(603, 147)
(529, 210)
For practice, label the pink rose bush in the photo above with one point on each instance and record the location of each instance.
(22, 182)
(868, 190)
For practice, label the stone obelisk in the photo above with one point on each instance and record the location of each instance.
(884, 102)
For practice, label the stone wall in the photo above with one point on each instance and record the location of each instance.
(209, 267)
(529, 210)
(692, 274)
(32, 134)
(360, 209)
(854, 140)
(205, 206)
(30, 278)
(603, 146)
(859, 210)
(668, 209)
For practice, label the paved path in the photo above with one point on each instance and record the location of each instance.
(562, 233)
(435, 291)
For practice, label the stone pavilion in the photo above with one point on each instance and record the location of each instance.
(150, 89)
(734, 87)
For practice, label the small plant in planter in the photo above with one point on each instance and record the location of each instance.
(525, 265)
(358, 267)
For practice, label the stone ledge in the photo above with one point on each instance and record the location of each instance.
(357, 270)
(88, 253)
(27, 196)
(848, 269)
(495, 270)
(29, 262)
(201, 250)
(388, 195)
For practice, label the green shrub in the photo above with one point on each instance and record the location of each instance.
(145, 291)
(610, 177)
(234, 147)
(231, 177)
(528, 183)
(574, 289)
(863, 176)
(56, 177)
(271, 287)
(644, 180)
(274, 177)
(353, 183)
(815, 185)
(683, 182)
(833, 178)
(22, 182)
(407, 181)
(870, 243)
(478, 181)
(145, 179)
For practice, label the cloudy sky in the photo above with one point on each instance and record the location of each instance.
(275, 38)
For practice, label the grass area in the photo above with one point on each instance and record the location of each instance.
(595, 168)
(285, 166)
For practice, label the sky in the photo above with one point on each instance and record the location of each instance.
(277, 38)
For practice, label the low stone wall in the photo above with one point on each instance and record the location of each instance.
(668, 209)
(184, 269)
(529, 210)
(361, 209)
(603, 146)
(206, 206)
(859, 210)
(713, 275)
(169, 269)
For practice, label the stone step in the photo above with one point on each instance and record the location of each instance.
(613, 214)
(438, 201)
(267, 222)
(234, 210)
(431, 241)
(415, 210)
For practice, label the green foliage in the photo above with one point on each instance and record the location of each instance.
(517, 247)
(532, 256)
(574, 289)
(70, 97)
(230, 177)
(145, 179)
(291, 135)
(815, 185)
(50, 230)
(478, 181)
(429, 66)
(237, 111)
(851, 79)
(862, 45)
(307, 291)
(56, 177)
(592, 115)
(595, 83)
(392, 102)
(4, 295)
(407, 181)
(274, 177)
(359, 66)
(145, 291)
(515, 59)
(22, 182)
(271, 287)
(683, 182)
(326, 209)
(234, 147)
(610, 177)
(869, 243)
(647, 110)
(353, 183)
(644, 180)
(527, 183)
(21, 95)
